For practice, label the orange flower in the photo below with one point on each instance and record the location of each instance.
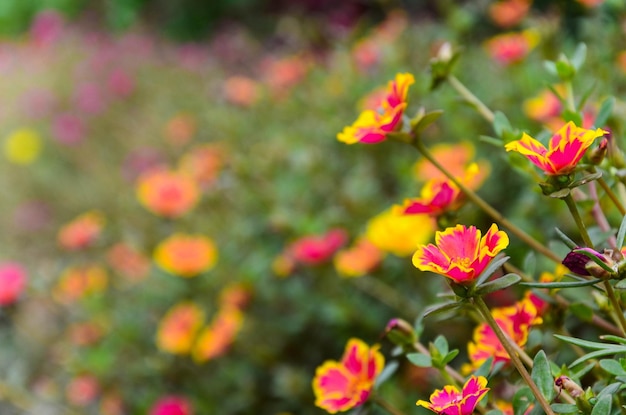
(128, 261)
(515, 321)
(203, 163)
(399, 235)
(451, 401)
(180, 129)
(167, 193)
(282, 74)
(215, 339)
(234, 295)
(78, 282)
(358, 260)
(510, 48)
(372, 126)
(82, 231)
(566, 148)
(241, 91)
(508, 13)
(178, 328)
(460, 253)
(343, 385)
(458, 160)
(186, 255)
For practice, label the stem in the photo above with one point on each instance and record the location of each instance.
(569, 97)
(487, 208)
(471, 98)
(610, 293)
(386, 405)
(599, 215)
(611, 195)
(484, 310)
(571, 205)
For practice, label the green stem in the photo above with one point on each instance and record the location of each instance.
(486, 313)
(611, 195)
(571, 205)
(471, 98)
(486, 207)
(386, 405)
(617, 308)
(569, 97)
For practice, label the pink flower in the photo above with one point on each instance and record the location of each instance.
(450, 401)
(120, 83)
(314, 249)
(172, 405)
(460, 253)
(12, 282)
(47, 28)
(340, 386)
(68, 129)
(89, 99)
(566, 148)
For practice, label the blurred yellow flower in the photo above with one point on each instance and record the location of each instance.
(186, 255)
(399, 234)
(178, 328)
(215, 339)
(22, 146)
(78, 282)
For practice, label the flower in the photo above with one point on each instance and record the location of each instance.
(436, 198)
(82, 390)
(399, 234)
(215, 339)
(22, 146)
(12, 282)
(241, 91)
(172, 405)
(372, 126)
(508, 13)
(236, 295)
(203, 163)
(566, 148)
(457, 159)
(515, 321)
(78, 282)
(339, 386)
(510, 48)
(460, 253)
(450, 401)
(128, 261)
(316, 249)
(178, 328)
(81, 232)
(186, 255)
(181, 128)
(167, 193)
(68, 129)
(359, 259)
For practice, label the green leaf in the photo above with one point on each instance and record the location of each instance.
(566, 71)
(551, 68)
(418, 326)
(440, 308)
(542, 375)
(606, 109)
(621, 233)
(420, 359)
(613, 338)
(564, 408)
(495, 412)
(621, 285)
(522, 400)
(585, 179)
(603, 405)
(496, 142)
(449, 357)
(584, 343)
(597, 353)
(500, 123)
(569, 284)
(565, 239)
(388, 371)
(501, 283)
(613, 367)
(485, 368)
(582, 311)
(423, 119)
(441, 344)
(530, 263)
(585, 96)
(496, 263)
(580, 54)
(573, 116)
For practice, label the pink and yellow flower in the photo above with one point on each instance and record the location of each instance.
(340, 386)
(179, 327)
(186, 255)
(460, 253)
(510, 48)
(13, 279)
(458, 160)
(78, 282)
(215, 339)
(359, 259)
(241, 91)
(203, 163)
(515, 321)
(565, 149)
(128, 261)
(451, 401)
(82, 231)
(399, 234)
(167, 193)
(372, 126)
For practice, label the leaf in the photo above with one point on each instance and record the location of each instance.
(584, 343)
(550, 67)
(449, 357)
(498, 284)
(441, 344)
(495, 412)
(585, 96)
(582, 311)
(613, 338)
(390, 369)
(496, 142)
(580, 54)
(575, 117)
(565, 239)
(564, 408)
(420, 359)
(440, 308)
(603, 405)
(542, 375)
(485, 368)
(570, 284)
(530, 263)
(500, 123)
(585, 179)
(613, 367)
(611, 389)
(621, 233)
(496, 263)
(423, 120)
(522, 400)
(597, 353)
(621, 285)
(606, 109)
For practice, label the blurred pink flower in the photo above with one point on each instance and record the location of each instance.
(315, 249)
(89, 99)
(38, 103)
(12, 282)
(68, 129)
(172, 405)
(120, 83)
(82, 390)
(46, 28)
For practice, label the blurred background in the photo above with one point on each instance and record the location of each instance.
(175, 198)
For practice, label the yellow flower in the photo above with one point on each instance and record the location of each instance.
(399, 234)
(22, 146)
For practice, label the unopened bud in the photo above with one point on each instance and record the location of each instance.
(597, 271)
(400, 332)
(571, 387)
(597, 154)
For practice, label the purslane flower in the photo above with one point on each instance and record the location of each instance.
(460, 253)
(565, 149)
(436, 197)
(451, 401)
(340, 386)
(373, 125)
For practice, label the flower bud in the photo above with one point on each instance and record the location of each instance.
(597, 154)
(400, 332)
(571, 387)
